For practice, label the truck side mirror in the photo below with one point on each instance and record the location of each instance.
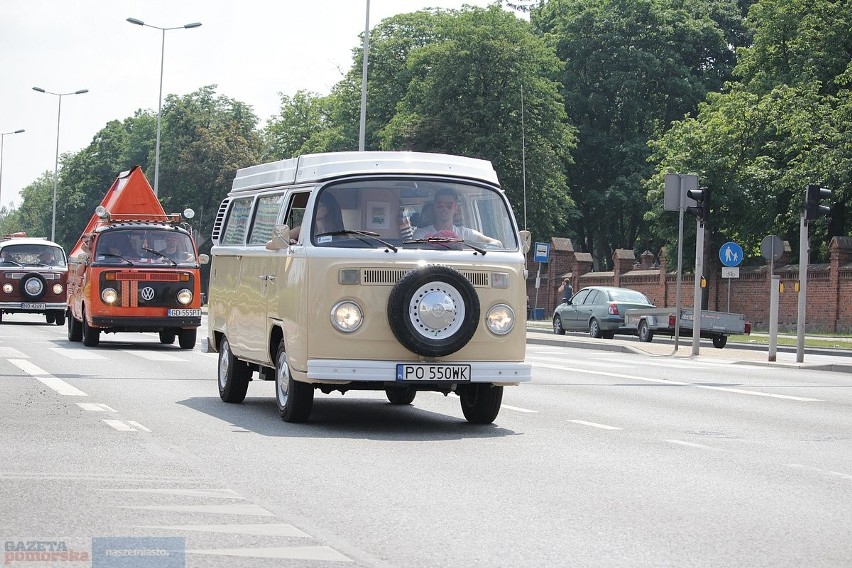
(526, 240)
(280, 238)
(203, 259)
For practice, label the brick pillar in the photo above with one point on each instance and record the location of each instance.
(622, 261)
(840, 253)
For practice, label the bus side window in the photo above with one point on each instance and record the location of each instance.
(296, 214)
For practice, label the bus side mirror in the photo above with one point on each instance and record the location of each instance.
(526, 240)
(280, 238)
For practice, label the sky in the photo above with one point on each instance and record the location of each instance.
(253, 50)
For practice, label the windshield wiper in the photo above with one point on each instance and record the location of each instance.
(161, 255)
(445, 242)
(116, 256)
(361, 236)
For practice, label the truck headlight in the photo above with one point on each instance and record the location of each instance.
(57, 288)
(8, 288)
(109, 296)
(184, 296)
(500, 319)
(346, 316)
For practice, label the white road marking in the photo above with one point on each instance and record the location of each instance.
(518, 409)
(211, 493)
(153, 355)
(12, 352)
(708, 387)
(119, 425)
(77, 354)
(694, 445)
(320, 553)
(820, 471)
(137, 425)
(46, 378)
(256, 529)
(595, 425)
(96, 407)
(236, 509)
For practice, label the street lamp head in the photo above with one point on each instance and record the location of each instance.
(135, 21)
(39, 89)
(81, 91)
(193, 25)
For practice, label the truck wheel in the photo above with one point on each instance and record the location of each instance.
(91, 335)
(234, 375)
(294, 398)
(75, 329)
(400, 396)
(433, 311)
(557, 326)
(719, 341)
(59, 317)
(595, 329)
(645, 333)
(167, 337)
(186, 338)
(481, 402)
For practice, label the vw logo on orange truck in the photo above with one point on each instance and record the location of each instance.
(135, 269)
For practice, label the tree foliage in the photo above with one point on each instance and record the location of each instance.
(784, 125)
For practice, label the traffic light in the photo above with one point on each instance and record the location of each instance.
(813, 208)
(702, 199)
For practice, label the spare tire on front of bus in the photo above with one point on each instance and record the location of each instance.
(433, 311)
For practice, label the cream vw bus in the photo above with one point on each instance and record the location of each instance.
(392, 271)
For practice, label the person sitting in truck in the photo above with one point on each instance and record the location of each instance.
(328, 218)
(47, 258)
(172, 250)
(446, 204)
(115, 245)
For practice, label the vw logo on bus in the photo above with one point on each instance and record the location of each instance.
(147, 293)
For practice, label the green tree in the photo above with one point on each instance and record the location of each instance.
(785, 125)
(631, 68)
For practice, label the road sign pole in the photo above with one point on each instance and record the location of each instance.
(803, 288)
(696, 299)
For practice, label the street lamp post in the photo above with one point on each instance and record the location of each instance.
(2, 137)
(160, 104)
(56, 163)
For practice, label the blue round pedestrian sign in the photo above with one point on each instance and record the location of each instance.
(731, 254)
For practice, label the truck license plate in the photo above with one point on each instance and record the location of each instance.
(418, 372)
(32, 306)
(183, 313)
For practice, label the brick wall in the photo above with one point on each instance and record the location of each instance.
(829, 289)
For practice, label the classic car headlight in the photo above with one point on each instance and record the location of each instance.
(109, 296)
(57, 288)
(347, 316)
(500, 319)
(184, 296)
(8, 288)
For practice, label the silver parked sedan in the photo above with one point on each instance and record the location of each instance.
(598, 309)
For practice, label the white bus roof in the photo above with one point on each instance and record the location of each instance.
(316, 167)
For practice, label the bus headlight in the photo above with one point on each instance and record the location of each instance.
(346, 316)
(57, 288)
(184, 296)
(8, 288)
(109, 296)
(500, 319)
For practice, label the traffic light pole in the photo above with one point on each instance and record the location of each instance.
(699, 272)
(803, 288)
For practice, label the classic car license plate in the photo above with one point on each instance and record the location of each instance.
(32, 306)
(419, 372)
(183, 313)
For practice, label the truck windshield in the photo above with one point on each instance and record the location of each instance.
(32, 255)
(412, 213)
(158, 246)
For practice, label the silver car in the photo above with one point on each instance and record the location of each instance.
(598, 309)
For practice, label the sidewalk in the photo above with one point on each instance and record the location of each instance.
(839, 360)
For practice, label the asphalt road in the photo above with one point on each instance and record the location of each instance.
(608, 458)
